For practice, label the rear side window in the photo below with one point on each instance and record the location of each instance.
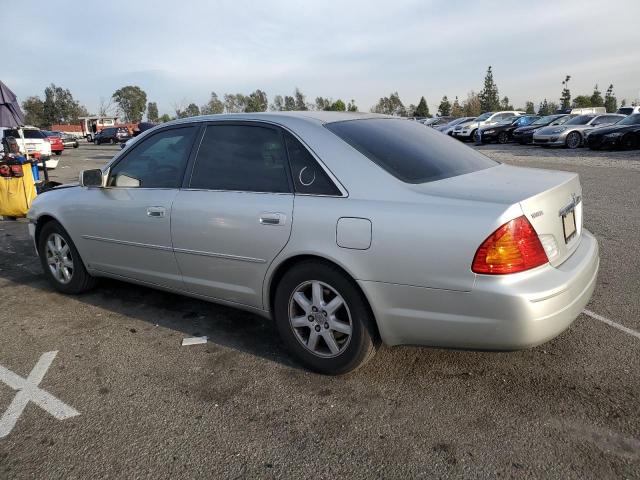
(408, 151)
(308, 176)
(241, 158)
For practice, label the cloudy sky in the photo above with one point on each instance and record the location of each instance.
(179, 52)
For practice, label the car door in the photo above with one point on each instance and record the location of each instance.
(125, 226)
(234, 214)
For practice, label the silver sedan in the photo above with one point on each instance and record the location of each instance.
(571, 134)
(349, 230)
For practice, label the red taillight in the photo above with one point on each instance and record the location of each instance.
(514, 247)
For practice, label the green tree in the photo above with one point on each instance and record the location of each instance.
(164, 118)
(391, 105)
(582, 101)
(213, 106)
(59, 107)
(152, 112)
(33, 108)
(289, 103)
(422, 110)
(610, 100)
(530, 107)
(323, 103)
(488, 96)
(132, 101)
(544, 109)
(456, 109)
(257, 102)
(191, 110)
(565, 97)
(300, 100)
(234, 103)
(596, 98)
(351, 106)
(472, 106)
(444, 109)
(338, 106)
(278, 104)
(505, 105)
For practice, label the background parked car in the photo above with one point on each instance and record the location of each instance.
(624, 134)
(629, 110)
(68, 140)
(112, 135)
(55, 140)
(34, 142)
(571, 134)
(502, 132)
(447, 128)
(484, 120)
(436, 121)
(524, 135)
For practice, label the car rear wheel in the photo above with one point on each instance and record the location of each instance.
(503, 137)
(112, 141)
(96, 141)
(573, 140)
(76, 145)
(627, 142)
(58, 153)
(323, 319)
(61, 261)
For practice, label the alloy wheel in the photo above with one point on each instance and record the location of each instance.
(573, 140)
(59, 260)
(320, 319)
(503, 137)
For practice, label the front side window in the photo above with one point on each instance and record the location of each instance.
(243, 158)
(409, 152)
(156, 162)
(308, 176)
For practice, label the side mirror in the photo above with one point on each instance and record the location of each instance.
(91, 178)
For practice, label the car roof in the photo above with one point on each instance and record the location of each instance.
(312, 116)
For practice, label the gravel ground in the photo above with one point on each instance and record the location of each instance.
(239, 407)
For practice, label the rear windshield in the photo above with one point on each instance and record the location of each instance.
(25, 133)
(408, 151)
(630, 120)
(626, 110)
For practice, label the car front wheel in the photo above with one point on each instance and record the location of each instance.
(323, 319)
(61, 261)
(573, 140)
(503, 138)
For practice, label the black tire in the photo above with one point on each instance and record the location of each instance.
(96, 142)
(80, 280)
(472, 135)
(503, 137)
(58, 153)
(573, 140)
(363, 342)
(112, 141)
(76, 145)
(627, 142)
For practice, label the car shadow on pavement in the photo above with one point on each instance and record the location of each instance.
(224, 326)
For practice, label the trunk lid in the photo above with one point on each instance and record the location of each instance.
(543, 195)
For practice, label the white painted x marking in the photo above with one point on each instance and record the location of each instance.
(28, 391)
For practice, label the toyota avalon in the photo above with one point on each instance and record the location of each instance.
(349, 230)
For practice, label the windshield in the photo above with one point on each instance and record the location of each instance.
(545, 120)
(630, 120)
(408, 151)
(562, 120)
(484, 116)
(580, 120)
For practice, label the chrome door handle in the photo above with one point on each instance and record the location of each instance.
(157, 212)
(273, 218)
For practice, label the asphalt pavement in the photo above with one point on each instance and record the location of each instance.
(122, 398)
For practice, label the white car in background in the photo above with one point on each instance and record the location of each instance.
(32, 141)
(448, 128)
(487, 119)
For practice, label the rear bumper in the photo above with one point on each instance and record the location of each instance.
(500, 312)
